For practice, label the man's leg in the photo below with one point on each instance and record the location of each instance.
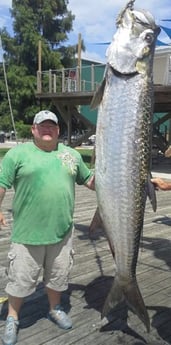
(56, 312)
(59, 260)
(23, 270)
(14, 306)
(54, 298)
(11, 326)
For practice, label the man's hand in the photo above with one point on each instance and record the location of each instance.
(161, 184)
(2, 219)
(91, 183)
(2, 194)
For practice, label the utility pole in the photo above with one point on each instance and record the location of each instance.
(39, 73)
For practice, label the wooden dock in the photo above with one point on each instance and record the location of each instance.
(91, 279)
(68, 89)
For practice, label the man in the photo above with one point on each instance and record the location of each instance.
(43, 174)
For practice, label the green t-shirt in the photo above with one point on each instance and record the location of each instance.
(44, 184)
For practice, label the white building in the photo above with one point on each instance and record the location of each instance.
(162, 65)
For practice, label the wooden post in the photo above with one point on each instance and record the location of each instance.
(169, 134)
(54, 83)
(92, 78)
(63, 80)
(50, 81)
(69, 125)
(79, 62)
(39, 89)
(78, 78)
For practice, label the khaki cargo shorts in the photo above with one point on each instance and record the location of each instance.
(28, 263)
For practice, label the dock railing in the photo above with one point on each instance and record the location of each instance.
(84, 79)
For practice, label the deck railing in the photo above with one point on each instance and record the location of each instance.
(86, 78)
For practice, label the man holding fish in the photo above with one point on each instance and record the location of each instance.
(123, 147)
(43, 174)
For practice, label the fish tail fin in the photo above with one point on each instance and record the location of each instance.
(113, 298)
(135, 301)
(132, 295)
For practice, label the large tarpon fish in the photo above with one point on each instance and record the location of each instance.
(123, 147)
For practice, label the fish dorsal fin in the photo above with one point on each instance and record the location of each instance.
(97, 98)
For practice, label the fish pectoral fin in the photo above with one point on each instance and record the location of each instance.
(151, 193)
(135, 302)
(97, 98)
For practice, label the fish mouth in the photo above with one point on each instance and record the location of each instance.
(156, 29)
(129, 17)
(150, 29)
(134, 41)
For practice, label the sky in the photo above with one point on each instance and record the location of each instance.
(95, 21)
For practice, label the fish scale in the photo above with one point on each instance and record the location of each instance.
(123, 147)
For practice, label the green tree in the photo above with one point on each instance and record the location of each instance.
(33, 20)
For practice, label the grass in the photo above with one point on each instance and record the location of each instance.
(2, 152)
(86, 156)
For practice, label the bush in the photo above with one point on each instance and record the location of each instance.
(23, 131)
(3, 152)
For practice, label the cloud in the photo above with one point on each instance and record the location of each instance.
(96, 20)
(96, 23)
(93, 56)
(89, 14)
(5, 17)
(5, 3)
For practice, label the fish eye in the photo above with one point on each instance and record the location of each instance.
(149, 38)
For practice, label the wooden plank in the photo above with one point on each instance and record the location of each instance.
(91, 279)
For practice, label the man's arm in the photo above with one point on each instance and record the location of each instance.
(2, 194)
(91, 183)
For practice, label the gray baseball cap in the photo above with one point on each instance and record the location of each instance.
(45, 115)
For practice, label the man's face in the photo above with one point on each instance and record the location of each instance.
(46, 131)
